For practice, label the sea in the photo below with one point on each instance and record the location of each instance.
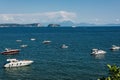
(51, 62)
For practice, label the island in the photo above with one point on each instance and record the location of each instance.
(21, 25)
(53, 25)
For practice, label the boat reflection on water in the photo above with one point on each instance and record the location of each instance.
(18, 71)
(99, 56)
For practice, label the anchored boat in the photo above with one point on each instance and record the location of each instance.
(10, 51)
(17, 63)
(96, 51)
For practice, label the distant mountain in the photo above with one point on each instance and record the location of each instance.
(67, 23)
(70, 23)
(86, 24)
(113, 24)
(61, 24)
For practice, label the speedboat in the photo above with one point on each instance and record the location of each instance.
(32, 39)
(73, 26)
(46, 42)
(96, 51)
(17, 63)
(18, 40)
(114, 47)
(23, 46)
(10, 51)
(64, 46)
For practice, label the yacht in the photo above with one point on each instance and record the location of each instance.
(32, 39)
(96, 51)
(23, 46)
(10, 51)
(64, 46)
(73, 26)
(114, 47)
(46, 42)
(17, 63)
(18, 40)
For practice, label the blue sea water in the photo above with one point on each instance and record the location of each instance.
(53, 63)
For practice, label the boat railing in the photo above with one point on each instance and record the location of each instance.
(12, 60)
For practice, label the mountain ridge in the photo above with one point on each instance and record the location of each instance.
(62, 24)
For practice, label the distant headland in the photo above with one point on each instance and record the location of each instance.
(61, 24)
(20, 25)
(54, 25)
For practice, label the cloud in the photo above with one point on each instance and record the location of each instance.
(117, 20)
(46, 17)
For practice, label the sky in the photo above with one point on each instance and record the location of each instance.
(48, 11)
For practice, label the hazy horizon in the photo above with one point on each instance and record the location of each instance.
(56, 11)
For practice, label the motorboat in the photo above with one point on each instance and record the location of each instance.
(10, 51)
(46, 42)
(18, 40)
(64, 46)
(114, 47)
(96, 51)
(32, 39)
(23, 46)
(73, 26)
(17, 63)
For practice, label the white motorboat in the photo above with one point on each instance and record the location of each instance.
(23, 46)
(64, 46)
(73, 26)
(114, 47)
(32, 39)
(17, 63)
(46, 42)
(18, 40)
(96, 51)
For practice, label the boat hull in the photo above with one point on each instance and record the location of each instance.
(10, 52)
(18, 64)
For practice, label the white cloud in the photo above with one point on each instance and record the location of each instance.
(96, 20)
(58, 16)
(117, 20)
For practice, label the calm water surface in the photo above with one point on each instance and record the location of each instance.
(53, 63)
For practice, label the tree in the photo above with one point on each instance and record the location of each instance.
(114, 73)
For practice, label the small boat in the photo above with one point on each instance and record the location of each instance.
(64, 46)
(17, 63)
(114, 47)
(23, 46)
(73, 26)
(96, 51)
(18, 40)
(46, 42)
(10, 51)
(32, 39)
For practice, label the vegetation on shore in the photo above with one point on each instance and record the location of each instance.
(114, 73)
